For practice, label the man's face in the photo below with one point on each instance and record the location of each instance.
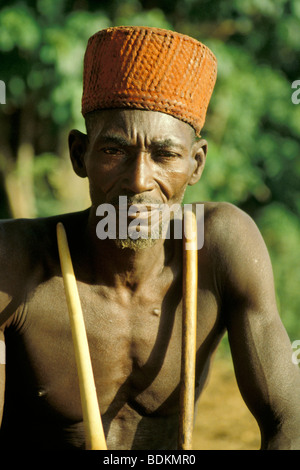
(148, 156)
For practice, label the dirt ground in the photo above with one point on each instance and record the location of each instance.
(223, 422)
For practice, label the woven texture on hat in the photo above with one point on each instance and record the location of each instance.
(151, 69)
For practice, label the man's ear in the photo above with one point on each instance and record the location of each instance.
(77, 147)
(199, 152)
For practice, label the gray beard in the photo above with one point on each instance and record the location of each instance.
(135, 245)
(141, 243)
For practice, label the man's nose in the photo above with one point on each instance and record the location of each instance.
(140, 175)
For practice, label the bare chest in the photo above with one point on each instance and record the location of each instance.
(135, 350)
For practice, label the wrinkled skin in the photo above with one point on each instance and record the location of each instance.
(131, 300)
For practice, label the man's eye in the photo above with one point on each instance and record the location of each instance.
(113, 151)
(166, 155)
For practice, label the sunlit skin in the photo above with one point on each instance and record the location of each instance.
(131, 299)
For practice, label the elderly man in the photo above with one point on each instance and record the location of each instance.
(145, 97)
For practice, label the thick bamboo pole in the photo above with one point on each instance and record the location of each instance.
(95, 439)
(189, 323)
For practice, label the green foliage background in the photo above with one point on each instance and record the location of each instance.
(252, 127)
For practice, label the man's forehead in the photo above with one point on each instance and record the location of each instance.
(129, 123)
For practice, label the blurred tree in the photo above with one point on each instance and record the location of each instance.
(41, 62)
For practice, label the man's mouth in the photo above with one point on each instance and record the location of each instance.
(140, 211)
(139, 207)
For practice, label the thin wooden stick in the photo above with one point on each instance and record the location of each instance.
(189, 323)
(95, 439)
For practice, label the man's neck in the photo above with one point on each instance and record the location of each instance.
(125, 267)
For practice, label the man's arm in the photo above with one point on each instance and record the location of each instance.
(268, 380)
(2, 374)
(14, 273)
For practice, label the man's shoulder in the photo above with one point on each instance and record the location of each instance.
(22, 236)
(222, 218)
(28, 258)
(227, 229)
(24, 245)
(28, 243)
(235, 249)
(219, 211)
(29, 231)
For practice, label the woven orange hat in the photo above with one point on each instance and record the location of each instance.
(151, 69)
